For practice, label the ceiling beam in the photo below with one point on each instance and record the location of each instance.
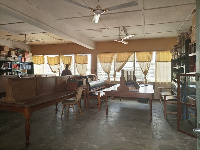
(31, 14)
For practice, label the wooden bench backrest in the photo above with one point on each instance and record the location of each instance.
(4, 82)
(61, 83)
(19, 89)
(46, 85)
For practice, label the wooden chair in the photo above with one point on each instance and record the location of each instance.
(169, 100)
(73, 101)
(168, 97)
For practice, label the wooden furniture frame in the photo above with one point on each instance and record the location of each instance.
(75, 101)
(27, 95)
(120, 90)
(95, 91)
(168, 97)
(187, 105)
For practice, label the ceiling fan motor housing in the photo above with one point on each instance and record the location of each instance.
(98, 10)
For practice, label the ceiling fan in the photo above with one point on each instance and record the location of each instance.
(119, 39)
(98, 10)
(127, 35)
(26, 41)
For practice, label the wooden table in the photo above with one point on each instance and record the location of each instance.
(27, 107)
(145, 91)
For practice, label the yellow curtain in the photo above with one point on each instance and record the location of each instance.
(162, 71)
(163, 56)
(66, 59)
(121, 60)
(54, 63)
(123, 57)
(82, 69)
(144, 59)
(105, 57)
(81, 64)
(53, 60)
(105, 60)
(81, 59)
(38, 60)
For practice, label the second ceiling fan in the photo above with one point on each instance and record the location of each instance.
(99, 11)
(127, 36)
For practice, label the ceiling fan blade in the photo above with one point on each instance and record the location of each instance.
(128, 36)
(78, 4)
(125, 5)
(124, 42)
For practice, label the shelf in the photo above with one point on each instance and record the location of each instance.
(15, 67)
(192, 54)
(175, 67)
(5, 68)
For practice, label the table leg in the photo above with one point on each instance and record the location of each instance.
(84, 98)
(87, 101)
(150, 109)
(27, 115)
(56, 107)
(106, 104)
(99, 101)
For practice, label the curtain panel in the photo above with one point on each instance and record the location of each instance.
(121, 60)
(105, 60)
(81, 64)
(144, 59)
(81, 59)
(53, 60)
(38, 60)
(163, 71)
(54, 63)
(163, 56)
(81, 68)
(66, 60)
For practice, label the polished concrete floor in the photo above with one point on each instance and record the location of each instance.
(127, 127)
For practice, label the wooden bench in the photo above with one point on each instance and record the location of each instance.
(94, 89)
(27, 95)
(4, 83)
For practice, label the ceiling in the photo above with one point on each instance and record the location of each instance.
(58, 21)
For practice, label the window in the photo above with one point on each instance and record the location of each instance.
(88, 65)
(129, 66)
(45, 68)
(151, 73)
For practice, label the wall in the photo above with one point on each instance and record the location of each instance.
(102, 47)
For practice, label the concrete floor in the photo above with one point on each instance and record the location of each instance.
(127, 127)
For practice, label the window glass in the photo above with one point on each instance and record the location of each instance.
(129, 66)
(45, 68)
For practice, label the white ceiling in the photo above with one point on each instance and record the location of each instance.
(58, 21)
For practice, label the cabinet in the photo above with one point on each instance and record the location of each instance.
(184, 59)
(186, 118)
(192, 57)
(16, 68)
